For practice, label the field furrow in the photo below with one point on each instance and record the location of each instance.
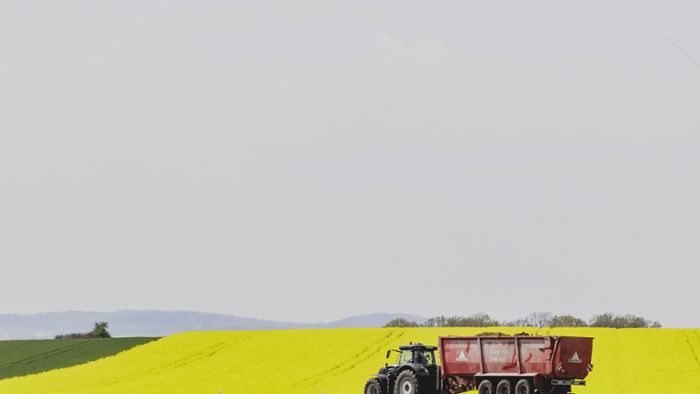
(346, 365)
(692, 346)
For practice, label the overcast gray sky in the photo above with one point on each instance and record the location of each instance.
(311, 160)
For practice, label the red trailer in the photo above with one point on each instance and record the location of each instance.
(514, 364)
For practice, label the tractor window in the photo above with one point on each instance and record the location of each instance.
(424, 357)
(406, 357)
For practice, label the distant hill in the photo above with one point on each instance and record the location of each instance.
(372, 320)
(161, 323)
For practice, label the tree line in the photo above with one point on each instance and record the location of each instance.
(99, 331)
(537, 319)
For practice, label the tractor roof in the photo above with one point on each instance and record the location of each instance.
(417, 346)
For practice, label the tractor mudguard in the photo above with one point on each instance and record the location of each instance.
(417, 369)
(383, 381)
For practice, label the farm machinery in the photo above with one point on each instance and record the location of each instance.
(492, 364)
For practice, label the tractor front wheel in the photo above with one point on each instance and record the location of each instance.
(406, 383)
(373, 387)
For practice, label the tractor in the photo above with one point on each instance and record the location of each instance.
(416, 371)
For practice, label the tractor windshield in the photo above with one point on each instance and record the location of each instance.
(425, 357)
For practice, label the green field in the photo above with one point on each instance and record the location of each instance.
(26, 357)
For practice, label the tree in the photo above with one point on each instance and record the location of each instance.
(100, 330)
(603, 320)
(566, 321)
(514, 323)
(538, 319)
(437, 321)
(399, 322)
(477, 320)
(474, 320)
(623, 321)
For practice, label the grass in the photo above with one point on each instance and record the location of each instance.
(339, 361)
(24, 357)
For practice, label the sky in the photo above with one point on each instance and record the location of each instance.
(311, 160)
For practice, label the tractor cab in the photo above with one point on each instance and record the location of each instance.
(415, 372)
(416, 354)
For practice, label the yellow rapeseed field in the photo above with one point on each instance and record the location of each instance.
(339, 361)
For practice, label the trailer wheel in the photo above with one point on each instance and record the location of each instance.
(485, 387)
(406, 383)
(504, 387)
(373, 387)
(522, 387)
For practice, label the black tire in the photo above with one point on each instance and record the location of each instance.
(485, 387)
(522, 387)
(373, 386)
(406, 383)
(504, 387)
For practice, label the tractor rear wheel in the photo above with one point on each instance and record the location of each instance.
(504, 387)
(373, 387)
(485, 387)
(406, 383)
(522, 387)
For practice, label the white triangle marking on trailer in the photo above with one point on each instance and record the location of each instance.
(462, 356)
(575, 358)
